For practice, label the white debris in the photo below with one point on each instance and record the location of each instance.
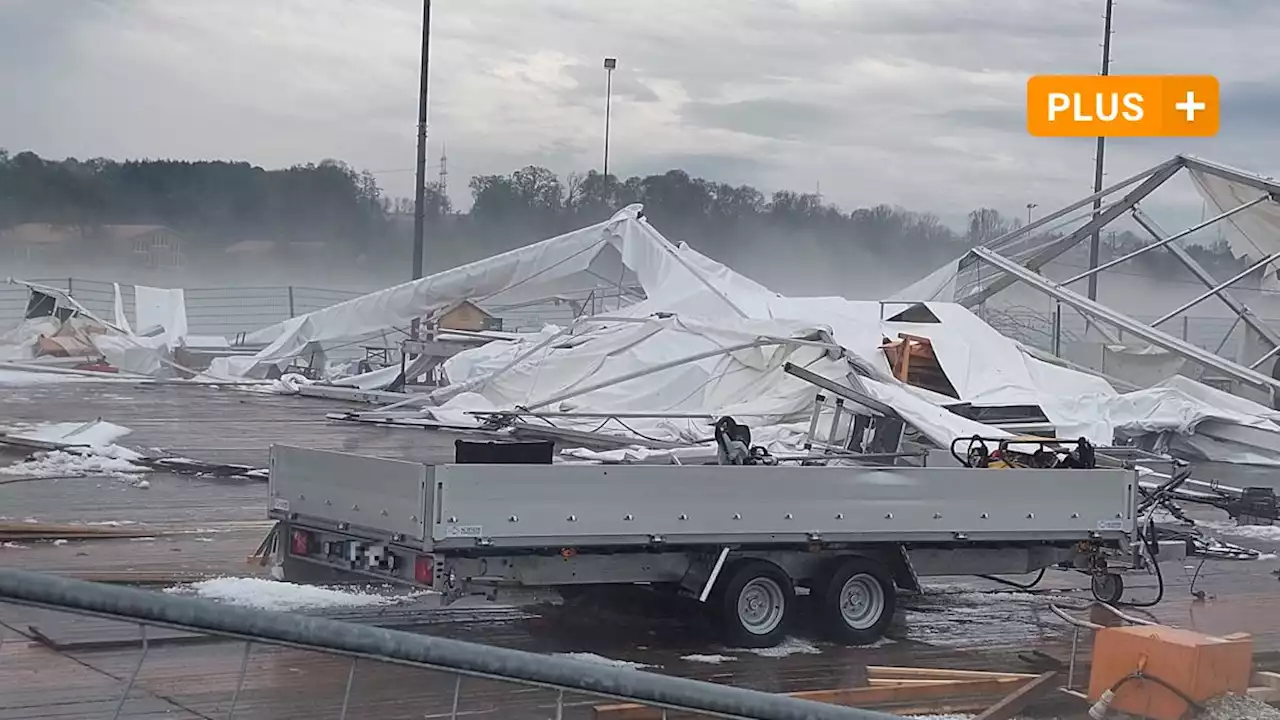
(95, 452)
(283, 596)
(59, 542)
(1253, 532)
(94, 434)
(602, 660)
(709, 659)
(790, 646)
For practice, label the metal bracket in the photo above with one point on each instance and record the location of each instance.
(715, 573)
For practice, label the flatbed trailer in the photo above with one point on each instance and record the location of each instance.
(740, 539)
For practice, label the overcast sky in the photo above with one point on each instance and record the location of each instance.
(911, 102)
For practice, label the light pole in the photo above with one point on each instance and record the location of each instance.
(609, 65)
(420, 180)
(1030, 207)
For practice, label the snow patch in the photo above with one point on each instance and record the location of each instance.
(280, 596)
(602, 660)
(709, 659)
(790, 646)
(111, 461)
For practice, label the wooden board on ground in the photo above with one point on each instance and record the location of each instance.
(1016, 701)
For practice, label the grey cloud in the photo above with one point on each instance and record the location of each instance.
(515, 83)
(767, 118)
(589, 86)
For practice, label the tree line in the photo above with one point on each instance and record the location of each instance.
(217, 203)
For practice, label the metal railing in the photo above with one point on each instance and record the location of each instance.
(560, 679)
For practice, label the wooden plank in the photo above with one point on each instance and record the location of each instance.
(1016, 701)
(889, 682)
(972, 694)
(905, 673)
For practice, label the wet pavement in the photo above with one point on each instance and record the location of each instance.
(208, 527)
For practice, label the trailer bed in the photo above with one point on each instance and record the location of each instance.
(465, 506)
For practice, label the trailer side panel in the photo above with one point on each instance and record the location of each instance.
(581, 505)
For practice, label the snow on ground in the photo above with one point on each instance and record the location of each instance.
(709, 659)
(790, 646)
(283, 596)
(1270, 533)
(602, 660)
(97, 456)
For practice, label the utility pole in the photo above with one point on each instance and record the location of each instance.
(420, 181)
(442, 180)
(609, 65)
(1096, 241)
(1030, 207)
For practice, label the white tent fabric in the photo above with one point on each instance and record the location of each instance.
(558, 265)
(1256, 231)
(748, 384)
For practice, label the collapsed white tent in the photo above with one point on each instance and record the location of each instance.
(597, 364)
(560, 265)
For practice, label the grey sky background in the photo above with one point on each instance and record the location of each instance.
(910, 102)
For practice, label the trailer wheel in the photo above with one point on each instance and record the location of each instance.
(753, 603)
(1108, 587)
(857, 601)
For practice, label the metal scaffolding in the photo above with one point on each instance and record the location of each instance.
(1019, 256)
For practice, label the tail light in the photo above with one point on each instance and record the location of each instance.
(423, 570)
(300, 542)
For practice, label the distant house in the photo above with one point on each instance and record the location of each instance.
(38, 242)
(154, 247)
(465, 315)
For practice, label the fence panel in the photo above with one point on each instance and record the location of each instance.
(195, 659)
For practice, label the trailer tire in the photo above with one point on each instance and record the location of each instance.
(753, 604)
(857, 601)
(1107, 587)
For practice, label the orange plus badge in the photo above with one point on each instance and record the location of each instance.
(1122, 105)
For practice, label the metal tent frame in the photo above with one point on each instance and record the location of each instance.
(1012, 258)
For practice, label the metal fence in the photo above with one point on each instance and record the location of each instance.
(338, 669)
(229, 311)
(225, 311)
(1034, 327)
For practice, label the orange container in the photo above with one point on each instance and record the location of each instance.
(1201, 666)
